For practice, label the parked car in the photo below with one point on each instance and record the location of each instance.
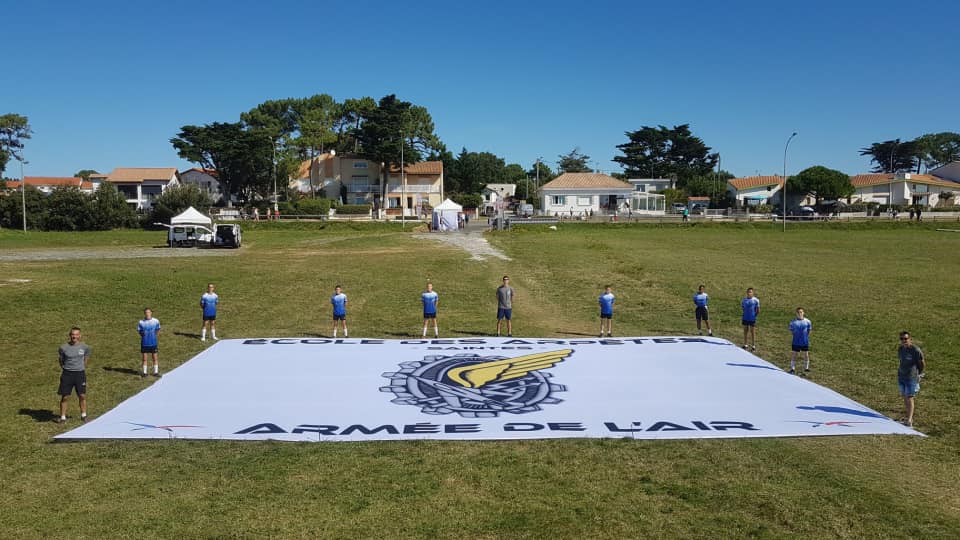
(524, 210)
(697, 208)
(677, 208)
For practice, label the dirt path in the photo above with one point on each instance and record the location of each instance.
(472, 242)
(110, 253)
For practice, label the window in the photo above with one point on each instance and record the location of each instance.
(558, 200)
(642, 188)
(584, 201)
(393, 202)
(359, 164)
(359, 200)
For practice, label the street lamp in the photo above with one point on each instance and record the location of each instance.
(23, 194)
(539, 159)
(784, 192)
(403, 187)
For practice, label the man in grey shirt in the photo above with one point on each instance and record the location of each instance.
(909, 373)
(74, 356)
(505, 305)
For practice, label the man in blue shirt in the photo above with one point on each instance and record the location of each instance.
(751, 308)
(909, 373)
(800, 328)
(208, 303)
(606, 301)
(430, 301)
(702, 313)
(149, 329)
(339, 303)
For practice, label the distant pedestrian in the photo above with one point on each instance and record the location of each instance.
(751, 309)
(339, 303)
(912, 213)
(208, 304)
(256, 214)
(702, 312)
(505, 306)
(74, 357)
(920, 213)
(606, 300)
(909, 373)
(430, 300)
(800, 327)
(149, 330)
(686, 214)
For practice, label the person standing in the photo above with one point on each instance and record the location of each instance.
(505, 306)
(149, 329)
(339, 303)
(909, 373)
(800, 327)
(74, 355)
(686, 214)
(606, 301)
(751, 309)
(702, 313)
(430, 301)
(208, 303)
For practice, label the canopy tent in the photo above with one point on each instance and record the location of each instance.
(445, 216)
(191, 216)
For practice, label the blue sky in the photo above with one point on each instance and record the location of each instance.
(107, 84)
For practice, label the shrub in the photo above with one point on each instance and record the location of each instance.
(353, 209)
(313, 207)
(177, 199)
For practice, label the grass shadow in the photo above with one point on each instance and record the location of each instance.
(578, 334)
(125, 371)
(400, 334)
(39, 415)
(187, 334)
(472, 333)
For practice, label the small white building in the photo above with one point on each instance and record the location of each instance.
(579, 194)
(494, 195)
(755, 190)
(141, 185)
(904, 189)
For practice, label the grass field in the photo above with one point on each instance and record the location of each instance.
(860, 285)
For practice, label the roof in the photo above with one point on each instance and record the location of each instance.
(689, 199)
(424, 167)
(586, 181)
(749, 182)
(51, 181)
(139, 174)
(211, 172)
(873, 179)
(509, 189)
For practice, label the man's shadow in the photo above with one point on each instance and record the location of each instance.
(187, 334)
(125, 371)
(39, 415)
(472, 333)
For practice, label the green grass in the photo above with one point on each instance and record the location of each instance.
(860, 285)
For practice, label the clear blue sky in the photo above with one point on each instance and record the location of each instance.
(106, 84)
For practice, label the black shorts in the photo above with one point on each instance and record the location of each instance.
(606, 315)
(429, 315)
(70, 380)
(748, 323)
(339, 317)
(149, 350)
(702, 313)
(209, 317)
(799, 348)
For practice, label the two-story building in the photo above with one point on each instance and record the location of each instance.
(755, 190)
(417, 190)
(204, 179)
(141, 185)
(496, 195)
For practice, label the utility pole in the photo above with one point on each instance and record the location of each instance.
(23, 194)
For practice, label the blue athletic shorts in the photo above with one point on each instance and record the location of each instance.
(908, 388)
(748, 323)
(504, 313)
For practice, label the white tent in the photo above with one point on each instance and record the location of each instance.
(191, 216)
(445, 216)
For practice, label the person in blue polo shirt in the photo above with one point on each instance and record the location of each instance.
(606, 301)
(751, 308)
(339, 303)
(800, 327)
(149, 329)
(430, 301)
(700, 300)
(208, 303)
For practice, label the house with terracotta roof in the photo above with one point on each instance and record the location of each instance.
(356, 180)
(141, 185)
(904, 189)
(755, 190)
(577, 194)
(47, 184)
(204, 179)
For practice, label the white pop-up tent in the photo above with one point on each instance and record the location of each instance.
(191, 216)
(445, 216)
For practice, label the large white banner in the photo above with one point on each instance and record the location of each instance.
(313, 389)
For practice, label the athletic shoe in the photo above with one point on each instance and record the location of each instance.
(61, 420)
(609, 335)
(710, 333)
(143, 375)
(793, 371)
(601, 334)
(215, 338)
(203, 339)
(754, 348)
(746, 347)
(806, 370)
(83, 419)
(158, 375)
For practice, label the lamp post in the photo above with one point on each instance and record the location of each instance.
(403, 188)
(784, 192)
(276, 206)
(23, 194)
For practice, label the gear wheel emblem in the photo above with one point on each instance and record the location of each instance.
(449, 384)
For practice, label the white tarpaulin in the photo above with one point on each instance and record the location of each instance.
(445, 216)
(191, 216)
(481, 388)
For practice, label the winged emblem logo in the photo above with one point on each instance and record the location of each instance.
(474, 386)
